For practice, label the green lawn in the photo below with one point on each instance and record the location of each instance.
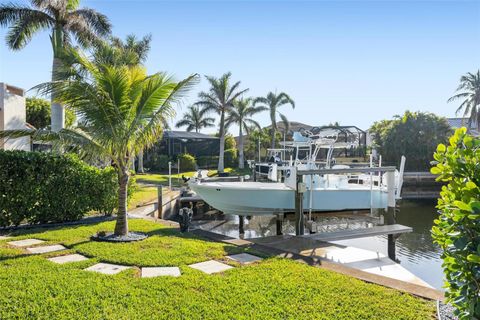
(34, 288)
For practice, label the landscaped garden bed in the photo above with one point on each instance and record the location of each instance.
(33, 287)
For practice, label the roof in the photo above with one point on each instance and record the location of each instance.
(187, 135)
(460, 122)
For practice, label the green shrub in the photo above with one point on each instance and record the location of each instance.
(44, 187)
(457, 230)
(231, 158)
(187, 162)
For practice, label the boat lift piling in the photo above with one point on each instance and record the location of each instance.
(391, 199)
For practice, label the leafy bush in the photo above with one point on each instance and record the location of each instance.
(38, 113)
(43, 187)
(231, 158)
(415, 135)
(187, 162)
(457, 230)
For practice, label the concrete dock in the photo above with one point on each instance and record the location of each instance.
(360, 259)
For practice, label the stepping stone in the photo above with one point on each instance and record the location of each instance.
(211, 266)
(107, 268)
(244, 258)
(68, 258)
(46, 249)
(150, 272)
(25, 243)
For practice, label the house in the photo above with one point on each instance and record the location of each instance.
(13, 117)
(456, 123)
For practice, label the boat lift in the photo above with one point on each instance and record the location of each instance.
(393, 231)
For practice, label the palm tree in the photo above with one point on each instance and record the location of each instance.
(122, 110)
(194, 119)
(220, 99)
(272, 102)
(241, 116)
(131, 52)
(470, 93)
(65, 21)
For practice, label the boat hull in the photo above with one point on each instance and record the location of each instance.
(257, 198)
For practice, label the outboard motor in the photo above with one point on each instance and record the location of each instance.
(186, 215)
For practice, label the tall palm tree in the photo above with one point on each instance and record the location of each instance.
(241, 115)
(65, 21)
(123, 111)
(194, 119)
(470, 94)
(272, 102)
(219, 99)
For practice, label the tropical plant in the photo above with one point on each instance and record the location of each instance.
(219, 99)
(241, 115)
(194, 119)
(131, 52)
(115, 51)
(123, 111)
(273, 102)
(470, 95)
(414, 135)
(65, 20)
(457, 230)
(38, 113)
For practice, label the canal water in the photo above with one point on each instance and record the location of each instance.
(415, 251)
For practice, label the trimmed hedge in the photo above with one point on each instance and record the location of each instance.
(44, 187)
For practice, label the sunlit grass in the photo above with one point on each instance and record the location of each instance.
(34, 288)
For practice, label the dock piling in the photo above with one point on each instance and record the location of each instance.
(299, 218)
(279, 225)
(160, 201)
(391, 204)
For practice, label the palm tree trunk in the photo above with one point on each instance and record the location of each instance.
(121, 227)
(240, 149)
(222, 143)
(140, 162)
(57, 114)
(274, 133)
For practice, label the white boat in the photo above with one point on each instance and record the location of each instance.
(330, 192)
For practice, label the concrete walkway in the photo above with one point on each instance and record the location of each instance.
(208, 267)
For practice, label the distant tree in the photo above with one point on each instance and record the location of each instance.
(219, 99)
(241, 115)
(415, 135)
(194, 119)
(115, 51)
(470, 95)
(230, 142)
(38, 113)
(273, 102)
(64, 20)
(264, 136)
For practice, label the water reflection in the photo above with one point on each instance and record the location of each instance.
(415, 250)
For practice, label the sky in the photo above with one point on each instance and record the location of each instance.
(354, 62)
